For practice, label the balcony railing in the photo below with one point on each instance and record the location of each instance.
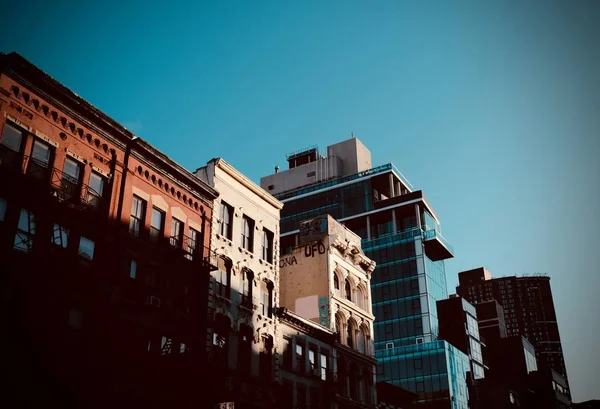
(63, 187)
(69, 190)
(434, 234)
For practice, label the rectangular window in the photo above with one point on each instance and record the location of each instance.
(324, 366)
(287, 353)
(301, 395)
(247, 233)
(86, 248)
(312, 359)
(193, 243)
(222, 279)
(60, 236)
(264, 303)
(11, 137)
(138, 214)
(95, 190)
(225, 220)
(75, 318)
(133, 269)
(176, 233)
(2, 209)
(25, 231)
(157, 224)
(70, 180)
(267, 246)
(300, 357)
(41, 154)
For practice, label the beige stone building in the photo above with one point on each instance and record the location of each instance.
(243, 292)
(326, 279)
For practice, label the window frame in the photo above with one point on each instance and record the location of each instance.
(267, 246)
(225, 221)
(248, 233)
(157, 233)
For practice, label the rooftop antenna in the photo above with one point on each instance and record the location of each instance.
(276, 169)
(352, 133)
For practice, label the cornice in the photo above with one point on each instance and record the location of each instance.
(253, 187)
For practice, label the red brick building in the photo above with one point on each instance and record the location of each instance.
(104, 259)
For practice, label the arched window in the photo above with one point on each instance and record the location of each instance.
(338, 328)
(348, 291)
(342, 367)
(361, 340)
(336, 282)
(351, 328)
(247, 277)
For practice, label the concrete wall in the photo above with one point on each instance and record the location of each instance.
(354, 155)
(322, 169)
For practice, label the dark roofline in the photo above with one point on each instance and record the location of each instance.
(30, 76)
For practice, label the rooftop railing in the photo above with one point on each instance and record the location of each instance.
(322, 185)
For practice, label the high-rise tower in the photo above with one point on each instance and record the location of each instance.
(528, 310)
(401, 233)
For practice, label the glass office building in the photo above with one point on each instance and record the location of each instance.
(401, 233)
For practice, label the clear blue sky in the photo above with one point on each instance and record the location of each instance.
(493, 109)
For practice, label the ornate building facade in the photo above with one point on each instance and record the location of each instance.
(326, 279)
(244, 290)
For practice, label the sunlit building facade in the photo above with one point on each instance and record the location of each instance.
(244, 291)
(401, 233)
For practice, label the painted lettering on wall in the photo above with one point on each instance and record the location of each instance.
(311, 249)
(287, 261)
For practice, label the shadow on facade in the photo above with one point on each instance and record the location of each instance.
(93, 314)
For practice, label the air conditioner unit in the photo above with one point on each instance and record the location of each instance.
(419, 341)
(153, 301)
(389, 345)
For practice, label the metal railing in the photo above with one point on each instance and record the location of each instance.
(322, 185)
(62, 186)
(72, 191)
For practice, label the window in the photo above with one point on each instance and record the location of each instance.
(157, 224)
(176, 233)
(324, 359)
(350, 335)
(287, 353)
(133, 269)
(225, 222)
(244, 348)
(39, 163)
(11, 137)
(70, 178)
(336, 282)
(348, 291)
(301, 396)
(95, 190)
(138, 214)
(75, 318)
(266, 357)
(2, 209)
(247, 277)
(25, 231)
(193, 242)
(264, 302)
(267, 246)
(60, 236)
(222, 279)
(247, 233)
(86, 248)
(221, 339)
(165, 346)
(312, 359)
(300, 357)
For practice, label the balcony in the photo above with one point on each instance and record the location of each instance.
(436, 246)
(37, 178)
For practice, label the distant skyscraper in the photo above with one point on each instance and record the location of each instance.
(401, 233)
(528, 310)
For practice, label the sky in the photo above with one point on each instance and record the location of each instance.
(491, 108)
